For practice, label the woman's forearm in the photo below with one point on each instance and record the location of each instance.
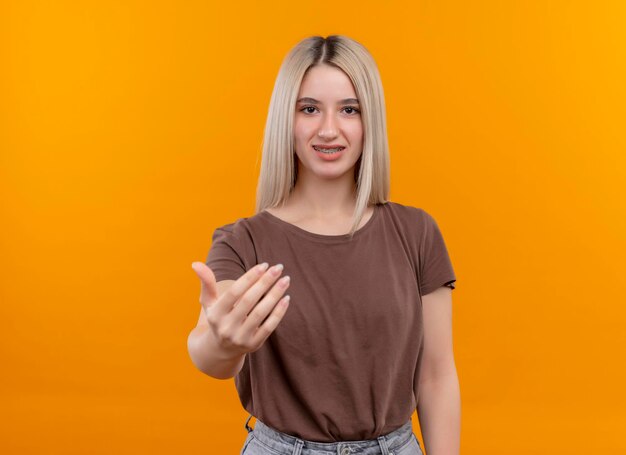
(209, 358)
(439, 413)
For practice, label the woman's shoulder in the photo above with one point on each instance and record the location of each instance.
(242, 227)
(232, 228)
(242, 222)
(406, 211)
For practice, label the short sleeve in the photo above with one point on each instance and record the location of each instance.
(435, 265)
(229, 255)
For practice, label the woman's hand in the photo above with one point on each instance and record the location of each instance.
(246, 314)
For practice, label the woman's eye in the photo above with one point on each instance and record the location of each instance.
(352, 110)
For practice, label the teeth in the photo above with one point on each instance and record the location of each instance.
(328, 150)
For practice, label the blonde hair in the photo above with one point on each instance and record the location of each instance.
(279, 167)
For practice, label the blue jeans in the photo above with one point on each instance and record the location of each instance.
(264, 440)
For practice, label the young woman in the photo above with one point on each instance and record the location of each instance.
(364, 336)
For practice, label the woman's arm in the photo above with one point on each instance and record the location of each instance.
(204, 350)
(439, 401)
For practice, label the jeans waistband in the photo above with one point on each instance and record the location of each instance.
(284, 443)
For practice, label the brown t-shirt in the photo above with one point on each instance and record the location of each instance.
(344, 362)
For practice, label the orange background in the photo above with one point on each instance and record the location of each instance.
(129, 130)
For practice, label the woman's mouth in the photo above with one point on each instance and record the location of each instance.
(328, 150)
(328, 154)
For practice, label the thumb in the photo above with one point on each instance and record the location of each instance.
(208, 285)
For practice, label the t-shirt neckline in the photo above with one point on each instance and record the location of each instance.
(323, 237)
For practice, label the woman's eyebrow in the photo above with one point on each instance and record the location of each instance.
(314, 101)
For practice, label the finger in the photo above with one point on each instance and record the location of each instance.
(256, 315)
(253, 295)
(208, 288)
(272, 321)
(227, 301)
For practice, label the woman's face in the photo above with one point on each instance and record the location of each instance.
(327, 115)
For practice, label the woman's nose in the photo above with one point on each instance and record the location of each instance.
(328, 128)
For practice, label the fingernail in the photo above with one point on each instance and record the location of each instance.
(263, 266)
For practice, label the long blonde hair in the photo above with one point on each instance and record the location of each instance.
(279, 167)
